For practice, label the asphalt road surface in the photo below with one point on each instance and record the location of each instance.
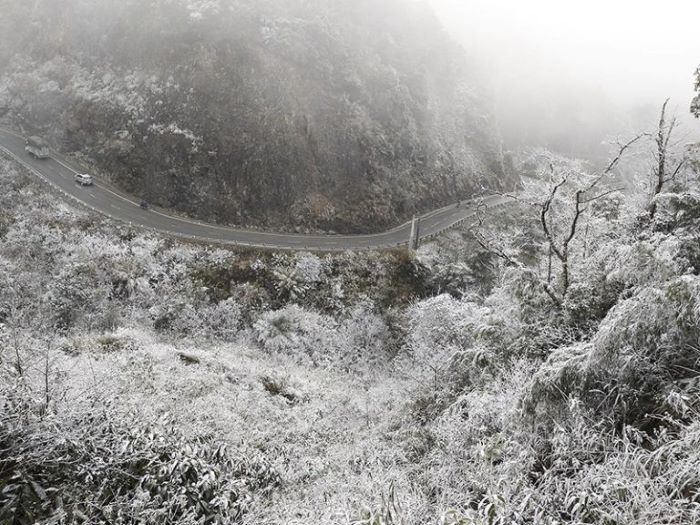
(60, 172)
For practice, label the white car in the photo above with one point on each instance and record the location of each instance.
(83, 179)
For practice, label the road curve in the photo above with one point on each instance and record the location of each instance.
(58, 172)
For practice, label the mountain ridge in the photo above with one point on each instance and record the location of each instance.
(286, 114)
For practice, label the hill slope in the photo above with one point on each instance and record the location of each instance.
(341, 115)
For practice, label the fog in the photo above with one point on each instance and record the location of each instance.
(598, 66)
(559, 74)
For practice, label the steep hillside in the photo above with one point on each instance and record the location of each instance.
(147, 381)
(344, 115)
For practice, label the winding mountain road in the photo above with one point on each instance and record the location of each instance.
(59, 172)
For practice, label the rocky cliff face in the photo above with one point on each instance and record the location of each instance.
(345, 115)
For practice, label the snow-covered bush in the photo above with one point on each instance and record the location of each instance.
(444, 322)
(100, 465)
(223, 320)
(306, 335)
(73, 293)
(289, 285)
(362, 337)
(308, 268)
(645, 349)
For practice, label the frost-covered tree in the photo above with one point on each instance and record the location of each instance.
(668, 163)
(695, 106)
(570, 192)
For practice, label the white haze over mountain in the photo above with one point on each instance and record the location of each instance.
(583, 58)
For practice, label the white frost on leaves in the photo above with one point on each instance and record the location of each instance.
(306, 335)
(308, 268)
(128, 92)
(444, 321)
(174, 129)
(221, 257)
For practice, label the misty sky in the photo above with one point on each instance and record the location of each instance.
(634, 52)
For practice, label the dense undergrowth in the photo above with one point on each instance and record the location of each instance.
(452, 387)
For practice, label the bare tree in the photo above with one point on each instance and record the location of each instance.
(695, 105)
(663, 157)
(561, 249)
(490, 243)
(559, 245)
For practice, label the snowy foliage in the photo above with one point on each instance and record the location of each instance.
(294, 331)
(444, 389)
(308, 268)
(100, 465)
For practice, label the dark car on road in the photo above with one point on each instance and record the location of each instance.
(37, 147)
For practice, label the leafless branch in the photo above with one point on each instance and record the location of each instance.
(492, 248)
(661, 158)
(519, 199)
(600, 196)
(622, 149)
(552, 295)
(676, 171)
(546, 207)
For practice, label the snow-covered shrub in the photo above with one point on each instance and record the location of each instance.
(591, 476)
(444, 351)
(306, 335)
(289, 285)
(179, 317)
(362, 337)
(222, 320)
(523, 320)
(457, 274)
(73, 293)
(644, 349)
(308, 268)
(442, 322)
(100, 465)
(563, 374)
(253, 300)
(588, 302)
(654, 259)
(334, 299)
